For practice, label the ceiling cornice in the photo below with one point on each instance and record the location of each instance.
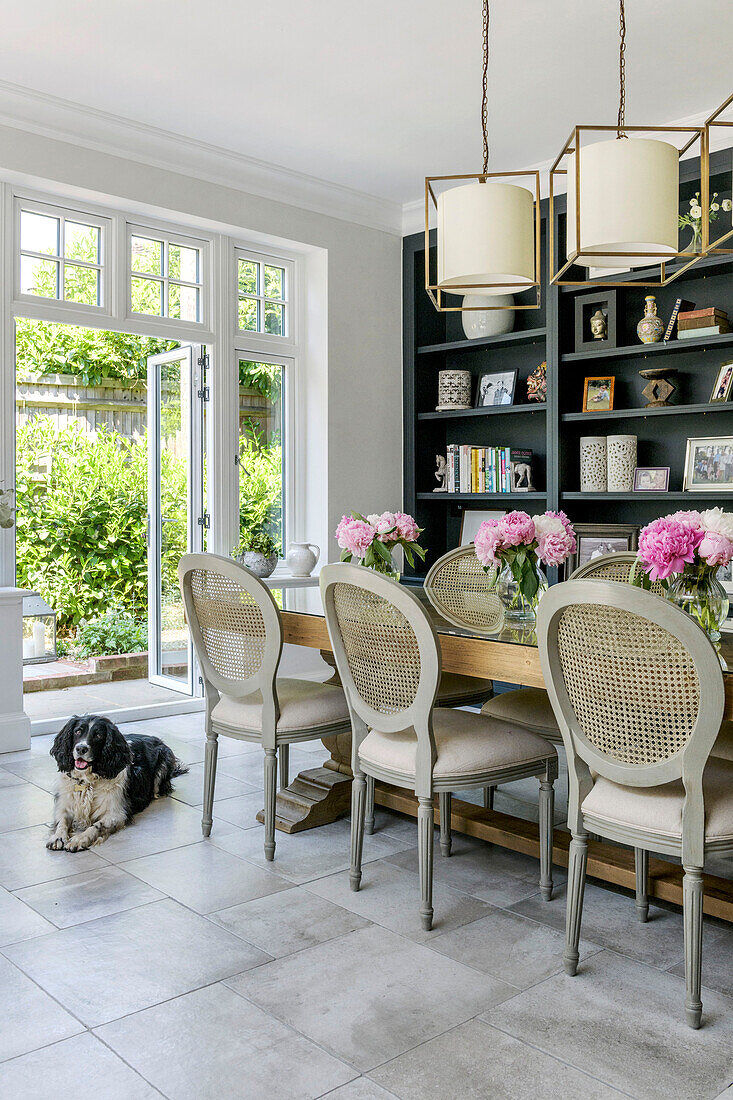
(53, 117)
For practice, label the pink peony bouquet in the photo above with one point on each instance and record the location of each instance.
(372, 539)
(519, 541)
(686, 542)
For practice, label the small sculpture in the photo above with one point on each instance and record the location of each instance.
(537, 384)
(599, 325)
(659, 386)
(441, 474)
(650, 329)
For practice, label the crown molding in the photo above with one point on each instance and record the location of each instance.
(53, 117)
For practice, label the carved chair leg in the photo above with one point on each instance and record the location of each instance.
(284, 751)
(270, 796)
(641, 863)
(369, 812)
(692, 897)
(358, 799)
(547, 828)
(211, 753)
(425, 818)
(576, 888)
(444, 799)
(489, 798)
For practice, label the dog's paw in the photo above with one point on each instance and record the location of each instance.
(77, 844)
(55, 843)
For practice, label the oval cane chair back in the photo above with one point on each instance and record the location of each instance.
(234, 622)
(462, 592)
(615, 567)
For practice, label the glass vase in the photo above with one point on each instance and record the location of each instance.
(382, 567)
(699, 592)
(517, 608)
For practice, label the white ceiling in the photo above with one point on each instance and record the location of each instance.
(371, 94)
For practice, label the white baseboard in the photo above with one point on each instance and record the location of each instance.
(127, 714)
(15, 732)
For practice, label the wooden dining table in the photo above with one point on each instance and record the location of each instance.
(509, 655)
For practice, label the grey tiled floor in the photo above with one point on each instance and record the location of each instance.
(161, 964)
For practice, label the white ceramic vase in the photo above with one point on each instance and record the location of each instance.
(593, 475)
(487, 322)
(621, 458)
(258, 564)
(301, 558)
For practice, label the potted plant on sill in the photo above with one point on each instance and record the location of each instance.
(258, 552)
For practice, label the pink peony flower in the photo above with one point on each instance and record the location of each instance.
(355, 536)
(690, 518)
(666, 545)
(407, 529)
(554, 547)
(715, 548)
(387, 522)
(488, 542)
(516, 528)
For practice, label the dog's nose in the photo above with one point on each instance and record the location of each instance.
(81, 749)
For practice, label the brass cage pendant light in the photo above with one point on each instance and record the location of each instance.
(714, 237)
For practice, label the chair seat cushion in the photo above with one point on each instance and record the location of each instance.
(303, 705)
(528, 707)
(723, 747)
(659, 809)
(467, 744)
(454, 687)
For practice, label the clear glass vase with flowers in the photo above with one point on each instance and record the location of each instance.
(370, 540)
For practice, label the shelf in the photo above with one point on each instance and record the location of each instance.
(648, 496)
(641, 414)
(634, 351)
(490, 410)
(463, 498)
(509, 339)
(711, 265)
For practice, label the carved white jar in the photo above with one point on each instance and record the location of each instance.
(593, 478)
(621, 457)
(454, 389)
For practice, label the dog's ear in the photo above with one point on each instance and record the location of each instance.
(115, 753)
(62, 749)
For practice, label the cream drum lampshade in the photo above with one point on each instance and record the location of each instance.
(486, 238)
(629, 200)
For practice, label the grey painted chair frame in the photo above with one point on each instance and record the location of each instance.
(687, 764)
(418, 716)
(262, 681)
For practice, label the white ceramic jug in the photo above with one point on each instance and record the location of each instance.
(301, 558)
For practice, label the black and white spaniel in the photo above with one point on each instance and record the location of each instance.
(104, 779)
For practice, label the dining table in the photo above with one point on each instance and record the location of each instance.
(508, 655)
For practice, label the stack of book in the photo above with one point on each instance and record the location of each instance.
(488, 469)
(697, 323)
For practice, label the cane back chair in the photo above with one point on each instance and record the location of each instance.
(237, 634)
(388, 657)
(637, 690)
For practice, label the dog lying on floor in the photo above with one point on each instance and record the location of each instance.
(104, 779)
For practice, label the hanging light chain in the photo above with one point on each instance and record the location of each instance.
(485, 95)
(622, 74)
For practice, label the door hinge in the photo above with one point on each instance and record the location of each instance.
(203, 360)
(204, 393)
(205, 521)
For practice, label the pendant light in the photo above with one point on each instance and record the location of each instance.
(488, 228)
(718, 232)
(623, 196)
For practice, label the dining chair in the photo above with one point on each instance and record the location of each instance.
(237, 634)
(637, 690)
(389, 659)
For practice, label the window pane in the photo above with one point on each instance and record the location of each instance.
(274, 282)
(183, 263)
(261, 449)
(249, 314)
(274, 319)
(39, 233)
(146, 255)
(183, 302)
(147, 296)
(248, 277)
(40, 277)
(81, 242)
(81, 284)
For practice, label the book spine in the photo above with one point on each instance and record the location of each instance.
(508, 469)
(709, 311)
(672, 320)
(701, 322)
(503, 473)
(449, 462)
(700, 333)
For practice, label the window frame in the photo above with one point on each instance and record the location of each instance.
(288, 301)
(167, 237)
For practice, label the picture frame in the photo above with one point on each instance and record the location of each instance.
(495, 388)
(725, 576)
(471, 520)
(651, 479)
(598, 393)
(709, 464)
(723, 383)
(595, 539)
(586, 306)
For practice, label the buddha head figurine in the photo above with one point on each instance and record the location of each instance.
(599, 325)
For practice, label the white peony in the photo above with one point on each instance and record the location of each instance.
(696, 211)
(544, 525)
(714, 206)
(715, 519)
(727, 205)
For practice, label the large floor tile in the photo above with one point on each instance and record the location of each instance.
(361, 1088)
(87, 896)
(189, 788)
(717, 961)
(250, 766)
(370, 995)
(25, 860)
(390, 897)
(240, 811)
(507, 946)
(288, 921)
(18, 921)
(39, 769)
(129, 961)
(217, 1045)
(9, 778)
(30, 1018)
(205, 878)
(23, 805)
(624, 1023)
(477, 1062)
(165, 824)
(57, 1070)
(301, 857)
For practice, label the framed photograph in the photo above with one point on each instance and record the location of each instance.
(651, 479)
(471, 520)
(598, 394)
(709, 464)
(596, 539)
(723, 382)
(725, 576)
(496, 387)
(595, 320)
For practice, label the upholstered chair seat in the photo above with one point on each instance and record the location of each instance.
(723, 747)
(304, 706)
(528, 707)
(456, 690)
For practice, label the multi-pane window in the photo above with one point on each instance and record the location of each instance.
(166, 276)
(263, 294)
(61, 255)
(262, 449)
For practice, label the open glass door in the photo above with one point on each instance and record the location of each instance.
(176, 521)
